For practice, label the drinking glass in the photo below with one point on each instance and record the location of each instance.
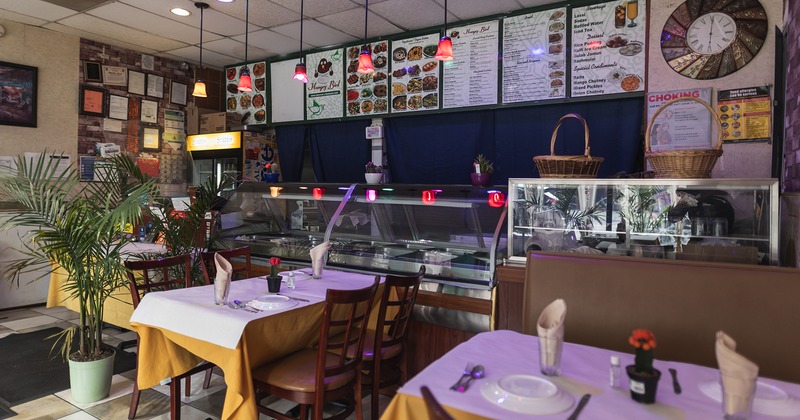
(550, 355)
(737, 407)
(633, 12)
(619, 15)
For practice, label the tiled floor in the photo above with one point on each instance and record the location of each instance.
(153, 404)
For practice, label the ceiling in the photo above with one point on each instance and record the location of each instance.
(274, 26)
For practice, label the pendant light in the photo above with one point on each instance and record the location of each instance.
(444, 51)
(365, 59)
(245, 83)
(200, 87)
(300, 69)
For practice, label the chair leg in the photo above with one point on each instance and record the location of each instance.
(376, 387)
(358, 396)
(175, 399)
(207, 380)
(134, 400)
(188, 390)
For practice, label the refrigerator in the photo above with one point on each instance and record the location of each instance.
(242, 155)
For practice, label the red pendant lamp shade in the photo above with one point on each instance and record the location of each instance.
(200, 87)
(300, 73)
(245, 83)
(444, 51)
(365, 62)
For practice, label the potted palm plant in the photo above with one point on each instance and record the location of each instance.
(78, 227)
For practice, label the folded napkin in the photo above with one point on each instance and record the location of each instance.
(319, 255)
(222, 282)
(739, 375)
(550, 328)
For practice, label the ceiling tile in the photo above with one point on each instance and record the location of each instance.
(273, 42)
(28, 20)
(262, 13)
(235, 49)
(143, 20)
(352, 22)
(37, 8)
(361, 2)
(315, 33)
(534, 3)
(317, 8)
(396, 11)
(99, 38)
(213, 21)
(475, 9)
(210, 58)
(112, 30)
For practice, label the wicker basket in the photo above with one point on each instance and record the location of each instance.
(683, 163)
(580, 166)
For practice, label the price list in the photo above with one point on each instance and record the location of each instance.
(471, 79)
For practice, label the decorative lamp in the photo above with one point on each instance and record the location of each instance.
(199, 86)
(444, 51)
(245, 83)
(365, 59)
(300, 69)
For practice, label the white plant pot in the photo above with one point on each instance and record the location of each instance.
(373, 178)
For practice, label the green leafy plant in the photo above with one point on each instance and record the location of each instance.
(78, 227)
(637, 205)
(485, 165)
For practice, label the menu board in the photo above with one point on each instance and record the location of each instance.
(745, 113)
(608, 48)
(324, 90)
(471, 78)
(534, 56)
(415, 74)
(368, 93)
(251, 106)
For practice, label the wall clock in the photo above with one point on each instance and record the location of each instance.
(709, 39)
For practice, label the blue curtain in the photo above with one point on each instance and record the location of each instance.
(291, 140)
(339, 150)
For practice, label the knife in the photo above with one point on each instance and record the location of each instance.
(584, 400)
(675, 385)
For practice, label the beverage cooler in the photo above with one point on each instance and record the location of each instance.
(242, 155)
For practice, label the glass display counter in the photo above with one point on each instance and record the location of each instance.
(724, 220)
(456, 231)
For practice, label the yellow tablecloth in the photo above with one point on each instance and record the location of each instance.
(410, 407)
(117, 310)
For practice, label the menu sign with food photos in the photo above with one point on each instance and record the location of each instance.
(608, 48)
(415, 74)
(534, 57)
(251, 106)
(471, 78)
(368, 93)
(325, 86)
(745, 113)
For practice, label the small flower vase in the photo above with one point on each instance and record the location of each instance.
(272, 178)
(643, 385)
(480, 180)
(373, 178)
(274, 284)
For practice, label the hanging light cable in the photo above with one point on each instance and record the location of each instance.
(365, 59)
(200, 87)
(444, 51)
(300, 69)
(245, 83)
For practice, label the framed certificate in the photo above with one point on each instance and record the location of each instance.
(149, 111)
(117, 76)
(118, 107)
(150, 138)
(136, 82)
(177, 93)
(155, 86)
(92, 72)
(93, 101)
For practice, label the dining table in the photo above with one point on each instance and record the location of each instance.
(510, 361)
(180, 328)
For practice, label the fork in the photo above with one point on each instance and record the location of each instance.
(466, 374)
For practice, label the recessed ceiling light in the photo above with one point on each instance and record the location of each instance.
(180, 12)
(225, 1)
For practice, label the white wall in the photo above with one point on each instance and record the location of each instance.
(31, 290)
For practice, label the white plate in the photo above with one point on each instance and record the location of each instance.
(272, 302)
(527, 394)
(769, 399)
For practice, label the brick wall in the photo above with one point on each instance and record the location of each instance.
(791, 145)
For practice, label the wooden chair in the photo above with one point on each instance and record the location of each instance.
(435, 410)
(387, 366)
(312, 377)
(209, 269)
(171, 273)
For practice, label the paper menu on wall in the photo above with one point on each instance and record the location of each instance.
(471, 78)
(415, 74)
(325, 89)
(8, 166)
(368, 93)
(534, 56)
(608, 48)
(62, 162)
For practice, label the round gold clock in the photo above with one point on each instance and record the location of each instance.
(709, 40)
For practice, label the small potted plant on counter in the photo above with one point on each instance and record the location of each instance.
(373, 173)
(644, 378)
(482, 171)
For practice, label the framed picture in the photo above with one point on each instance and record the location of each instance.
(118, 107)
(136, 82)
(18, 84)
(93, 101)
(149, 111)
(92, 72)
(177, 93)
(155, 86)
(150, 138)
(117, 76)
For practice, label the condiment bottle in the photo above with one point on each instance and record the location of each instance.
(615, 373)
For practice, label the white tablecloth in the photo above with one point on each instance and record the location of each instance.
(192, 312)
(584, 370)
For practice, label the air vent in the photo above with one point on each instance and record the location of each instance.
(78, 5)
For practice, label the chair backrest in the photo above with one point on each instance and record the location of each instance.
(435, 410)
(397, 304)
(346, 310)
(209, 269)
(170, 273)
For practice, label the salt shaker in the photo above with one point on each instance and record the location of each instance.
(615, 373)
(290, 280)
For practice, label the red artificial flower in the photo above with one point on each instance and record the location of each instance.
(274, 261)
